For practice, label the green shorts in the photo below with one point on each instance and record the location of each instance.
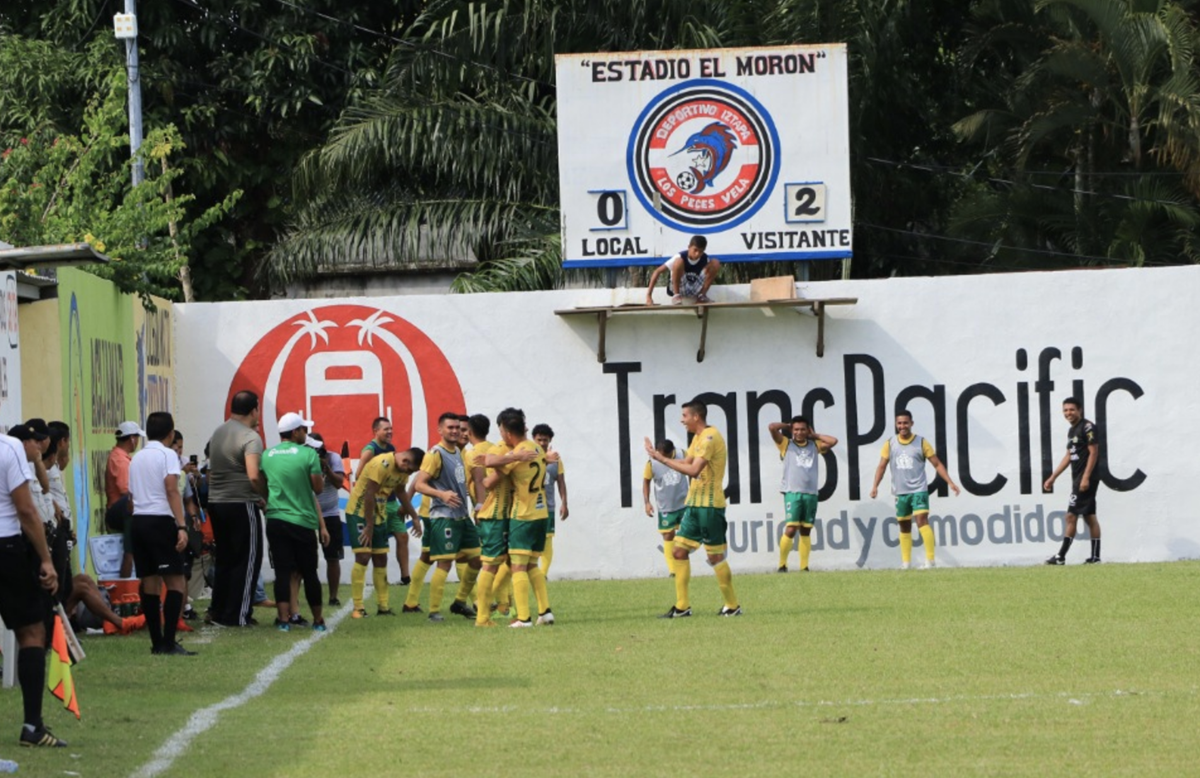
(527, 536)
(550, 523)
(702, 526)
(493, 536)
(396, 520)
(425, 531)
(379, 537)
(448, 538)
(669, 522)
(799, 508)
(908, 504)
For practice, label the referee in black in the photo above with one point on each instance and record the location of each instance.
(159, 532)
(26, 576)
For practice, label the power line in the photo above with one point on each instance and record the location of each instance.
(416, 46)
(985, 244)
(1008, 182)
(196, 6)
(941, 168)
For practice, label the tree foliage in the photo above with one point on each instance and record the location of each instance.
(57, 187)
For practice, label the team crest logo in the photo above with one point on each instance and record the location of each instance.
(344, 365)
(703, 156)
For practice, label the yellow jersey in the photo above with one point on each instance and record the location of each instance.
(529, 484)
(707, 489)
(498, 502)
(380, 470)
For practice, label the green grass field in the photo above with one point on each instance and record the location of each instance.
(1009, 671)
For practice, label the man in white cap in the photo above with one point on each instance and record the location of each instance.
(116, 488)
(294, 519)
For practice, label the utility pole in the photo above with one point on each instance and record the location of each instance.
(126, 29)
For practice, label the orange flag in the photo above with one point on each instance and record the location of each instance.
(59, 682)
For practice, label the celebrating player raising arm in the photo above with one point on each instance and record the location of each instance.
(704, 519)
(801, 455)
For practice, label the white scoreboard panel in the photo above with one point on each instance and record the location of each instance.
(748, 147)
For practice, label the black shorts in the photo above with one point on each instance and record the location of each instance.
(337, 540)
(154, 539)
(293, 547)
(23, 601)
(1082, 503)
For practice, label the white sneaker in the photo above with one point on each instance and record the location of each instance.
(546, 619)
(904, 565)
(518, 624)
(929, 565)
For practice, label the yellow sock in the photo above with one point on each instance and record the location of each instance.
(507, 597)
(417, 584)
(483, 597)
(379, 576)
(437, 588)
(502, 585)
(547, 556)
(460, 569)
(725, 582)
(927, 539)
(683, 577)
(785, 548)
(470, 576)
(537, 579)
(906, 547)
(521, 585)
(358, 583)
(805, 550)
(669, 554)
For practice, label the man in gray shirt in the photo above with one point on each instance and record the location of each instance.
(235, 496)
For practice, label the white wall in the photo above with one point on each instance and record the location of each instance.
(986, 347)
(10, 352)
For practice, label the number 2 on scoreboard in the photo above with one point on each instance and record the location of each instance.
(804, 202)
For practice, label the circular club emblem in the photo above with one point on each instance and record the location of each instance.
(344, 365)
(703, 156)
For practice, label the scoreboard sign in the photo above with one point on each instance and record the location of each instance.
(748, 147)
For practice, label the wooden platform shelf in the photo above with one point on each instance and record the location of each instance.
(702, 310)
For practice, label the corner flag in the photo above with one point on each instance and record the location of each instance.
(59, 681)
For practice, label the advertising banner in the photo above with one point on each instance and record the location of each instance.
(749, 147)
(983, 363)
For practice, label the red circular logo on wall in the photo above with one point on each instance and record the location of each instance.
(344, 365)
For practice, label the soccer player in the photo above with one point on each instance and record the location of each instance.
(424, 562)
(366, 513)
(801, 456)
(1082, 436)
(670, 494)
(525, 464)
(492, 507)
(381, 443)
(442, 480)
(907, 454)
(334, 477)
(556, 479)
(295, 522)
(691, 273)
(159, 533)
(704, 518)
(27, 580)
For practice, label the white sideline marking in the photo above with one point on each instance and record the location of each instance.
(1073, 698)
(206, 718)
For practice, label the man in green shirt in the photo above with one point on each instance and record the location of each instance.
(294, 520)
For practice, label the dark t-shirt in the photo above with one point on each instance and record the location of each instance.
(227, 478)
(693, 272)
(1079, 437)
